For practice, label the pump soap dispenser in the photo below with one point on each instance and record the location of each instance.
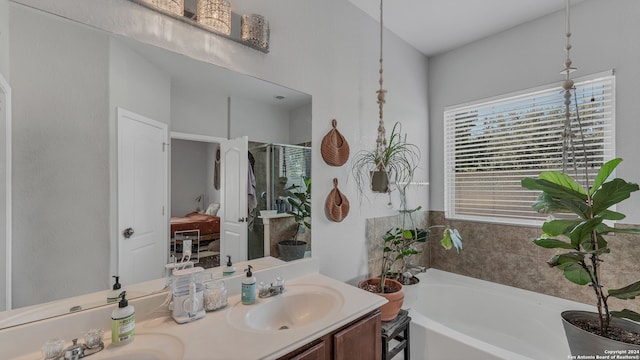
(123, 322)
(229, 269)
(114, 294)
(248, 295)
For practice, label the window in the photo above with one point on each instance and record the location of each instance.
(491, 145)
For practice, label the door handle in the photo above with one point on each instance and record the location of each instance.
(243, 219)
(127, 233)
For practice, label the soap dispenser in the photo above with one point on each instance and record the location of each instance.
(248, 296)
(123, 322)
(229, 269)
(114, 294)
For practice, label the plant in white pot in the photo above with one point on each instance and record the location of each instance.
(581, 239)
(300, 202)
(580, 236)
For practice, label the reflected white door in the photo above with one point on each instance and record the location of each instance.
(234, 165)
(142, 197)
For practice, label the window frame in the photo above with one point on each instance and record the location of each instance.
(608, 147)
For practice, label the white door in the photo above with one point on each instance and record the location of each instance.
(234, 165)
(142, 197)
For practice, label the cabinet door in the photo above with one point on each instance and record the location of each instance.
(315, 352)
(360, 341)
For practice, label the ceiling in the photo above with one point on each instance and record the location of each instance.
(436, 26)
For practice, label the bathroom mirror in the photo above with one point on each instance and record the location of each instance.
(68, 79)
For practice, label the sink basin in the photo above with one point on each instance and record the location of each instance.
(146, 346)
(300, 305)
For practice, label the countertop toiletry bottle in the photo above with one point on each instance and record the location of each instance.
(123, 322)
(249, 288)
(229, 269)
(114, 294)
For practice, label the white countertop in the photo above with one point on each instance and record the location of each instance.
(213, 337)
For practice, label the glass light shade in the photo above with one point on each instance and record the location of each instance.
(215, 14)
(255, 30)
(172, 6)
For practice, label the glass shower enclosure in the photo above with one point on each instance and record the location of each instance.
(276, 167)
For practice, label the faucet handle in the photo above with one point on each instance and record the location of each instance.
(279, 281)
(52, 349)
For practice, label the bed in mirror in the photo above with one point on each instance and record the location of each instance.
(68, 79)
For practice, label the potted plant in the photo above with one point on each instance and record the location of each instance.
(300, 202)
(398, 245)
(580, 238)
(396, 162)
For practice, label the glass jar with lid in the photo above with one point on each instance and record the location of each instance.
(215, 295)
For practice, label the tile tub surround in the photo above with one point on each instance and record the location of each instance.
(505, 254)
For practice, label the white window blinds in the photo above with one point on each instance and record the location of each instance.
(490, 146)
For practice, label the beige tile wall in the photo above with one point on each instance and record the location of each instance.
(505, 254)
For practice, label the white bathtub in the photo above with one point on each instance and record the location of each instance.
(457, 317)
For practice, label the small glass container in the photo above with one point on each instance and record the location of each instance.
(215, 295)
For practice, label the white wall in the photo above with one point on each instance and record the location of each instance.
(300, 124)
(328, 49)
(198, 111)
(604, 37)
(4, 38)
(190, 169)
(60, 155)
(260, 122)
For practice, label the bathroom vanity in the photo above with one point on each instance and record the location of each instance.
(316, 317)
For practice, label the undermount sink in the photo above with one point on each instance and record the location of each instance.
(300, 305)
(146, 346)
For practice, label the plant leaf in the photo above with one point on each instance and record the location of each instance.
(627, 314)
(560, 226)
(446, 241)
(553, 243)
(604, 173)
(563, 180)
(577, 274)
(582, 232)
(627, 292)
(565, 259)
(612, 215)
(611, 193)
(456, 239)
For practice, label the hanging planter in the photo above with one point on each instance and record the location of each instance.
(395, 163)
(380, 181)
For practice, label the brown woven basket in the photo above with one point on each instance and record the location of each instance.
(337, 205)
(334, 147)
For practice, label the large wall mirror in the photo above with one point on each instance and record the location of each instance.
(69, 81)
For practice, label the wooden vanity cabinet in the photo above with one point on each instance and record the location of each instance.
(358, 340)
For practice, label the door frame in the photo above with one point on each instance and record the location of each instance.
(5, 90)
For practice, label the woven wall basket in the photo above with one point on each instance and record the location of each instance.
(334, 147)
(337, 205)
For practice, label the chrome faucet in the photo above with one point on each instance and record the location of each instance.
(275, 288)
(416, 267)
(77, 351)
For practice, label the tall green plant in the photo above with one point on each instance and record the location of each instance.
(582, 238)
(301, 206)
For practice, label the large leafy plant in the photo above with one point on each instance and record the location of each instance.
(581, 238)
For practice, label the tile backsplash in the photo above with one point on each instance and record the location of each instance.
(505, 254)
